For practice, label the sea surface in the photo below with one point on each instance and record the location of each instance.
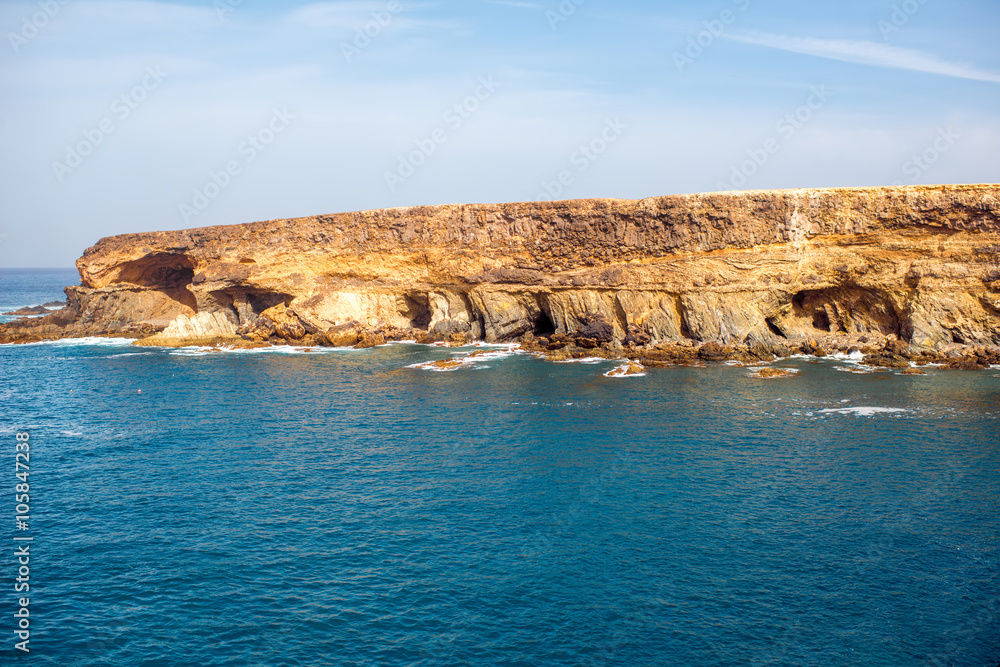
(344, 507)
(20, 288)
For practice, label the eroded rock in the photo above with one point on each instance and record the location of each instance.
(753, 274)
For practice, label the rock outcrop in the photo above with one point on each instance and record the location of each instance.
(765, 269)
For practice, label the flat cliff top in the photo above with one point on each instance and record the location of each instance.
(557, 236)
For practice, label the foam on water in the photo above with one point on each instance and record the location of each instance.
(90, 341)
(621, 372)
(474, 359)
(863, 411)
(856, 357)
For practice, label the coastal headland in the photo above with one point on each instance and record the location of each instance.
(901, 274)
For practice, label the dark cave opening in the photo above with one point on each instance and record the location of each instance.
(543, 325)
(774, 327)
(821, 320)
(418, 310)
(261, 301)
(161, 271)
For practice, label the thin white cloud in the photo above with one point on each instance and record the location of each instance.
(868, 53)
(353, 15)
(514, 3)
(146, 11)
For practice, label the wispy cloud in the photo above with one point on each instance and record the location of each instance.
(146, 11)
(515, 3)
(868, 53)
(354, 14)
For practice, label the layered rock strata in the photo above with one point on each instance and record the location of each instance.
(758, 269)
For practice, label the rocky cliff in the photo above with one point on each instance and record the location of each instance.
(759, 268)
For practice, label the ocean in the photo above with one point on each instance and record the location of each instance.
(355, 507)
(21, 288)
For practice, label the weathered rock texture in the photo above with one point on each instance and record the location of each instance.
(921, 264)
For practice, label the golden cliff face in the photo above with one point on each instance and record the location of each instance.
(757, 267)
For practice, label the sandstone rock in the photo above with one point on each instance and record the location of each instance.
(634, 368)
(771, 269)
(714, 352)
(447, 364)
(966, 364)
(768, 373)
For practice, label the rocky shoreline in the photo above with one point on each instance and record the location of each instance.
(593, 341)
(902, 276)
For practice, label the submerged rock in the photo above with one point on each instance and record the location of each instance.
(29, 310)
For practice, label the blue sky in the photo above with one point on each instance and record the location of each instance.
(138, 116)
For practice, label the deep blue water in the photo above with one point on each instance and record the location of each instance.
(342, 508)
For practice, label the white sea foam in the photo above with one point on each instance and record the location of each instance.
(586, 360)
(621, 372)
(92, 341)
(864, 411)
(859, 369)
(287, 349)
(471, 360)
(430, 365)
(191, 352)
(854, 357)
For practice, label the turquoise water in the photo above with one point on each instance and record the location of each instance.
(345, 508)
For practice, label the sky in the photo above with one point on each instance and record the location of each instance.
(128, 116)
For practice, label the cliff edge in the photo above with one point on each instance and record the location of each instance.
(919, 265)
